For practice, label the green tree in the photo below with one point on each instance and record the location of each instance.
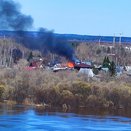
(74, 45)
(112, 69)
(30, 56)
(106, 62)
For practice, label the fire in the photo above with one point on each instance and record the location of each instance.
(70, 64)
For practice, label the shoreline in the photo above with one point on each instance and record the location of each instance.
(63, 107)
(79, 110)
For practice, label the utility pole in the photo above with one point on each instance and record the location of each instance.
(119, 50)
(100, 41)
(120, 39)
(114, 40)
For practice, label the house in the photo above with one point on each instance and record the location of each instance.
(84, 64)
(36, 62)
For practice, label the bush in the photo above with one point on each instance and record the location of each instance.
(125, 96)
(80, 87)
(95, 71)
(47, 96)
(94, 101)
(58, 89)
(2, 88)
(20, 88)
(68, 98)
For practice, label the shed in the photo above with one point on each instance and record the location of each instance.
(86, 71)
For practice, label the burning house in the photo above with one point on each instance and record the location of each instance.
(45, 41)
(72, 65)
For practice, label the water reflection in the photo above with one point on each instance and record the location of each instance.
(12, 110)
(38, 119)
(86, 111)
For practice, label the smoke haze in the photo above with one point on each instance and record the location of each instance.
(11, 18)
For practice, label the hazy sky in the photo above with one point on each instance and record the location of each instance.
(88, 17)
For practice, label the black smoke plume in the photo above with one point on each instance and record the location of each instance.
(11, 17)
(57, 45)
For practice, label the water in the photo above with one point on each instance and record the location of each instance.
(30, 119)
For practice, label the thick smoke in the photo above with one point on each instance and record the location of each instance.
(11, 18)
(48, 40)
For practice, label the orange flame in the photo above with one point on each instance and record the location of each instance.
(70, 65)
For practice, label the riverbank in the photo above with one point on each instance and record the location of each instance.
(67, 90)
(81, 110)
(30, 118)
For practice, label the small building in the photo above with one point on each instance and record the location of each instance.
(36, 62)
(79, 65)
(86, 71)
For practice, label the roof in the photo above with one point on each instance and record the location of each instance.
(83, 65)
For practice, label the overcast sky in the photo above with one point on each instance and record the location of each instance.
(87, 17)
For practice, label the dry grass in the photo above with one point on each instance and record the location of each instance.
(65, 87)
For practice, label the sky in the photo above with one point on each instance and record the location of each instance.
(86, 17)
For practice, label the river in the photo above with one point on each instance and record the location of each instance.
(14, 118)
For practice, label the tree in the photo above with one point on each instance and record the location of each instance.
(75, 45)
(106, 62)
(30, 56)
(108, 50)
(16, 55)
(98, 51)
(110, 65)
(112, 68)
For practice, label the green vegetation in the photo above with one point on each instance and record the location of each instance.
(30, 56)
(112, 68)
(110, 65)
(106, 62)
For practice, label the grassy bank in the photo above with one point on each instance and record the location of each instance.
(62, 89)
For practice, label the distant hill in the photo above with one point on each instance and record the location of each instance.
(91, 38)
(71, 37)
